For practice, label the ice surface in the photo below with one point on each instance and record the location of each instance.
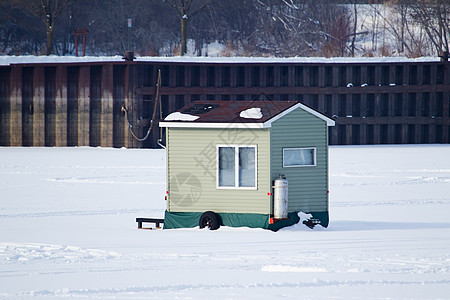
(68, 230)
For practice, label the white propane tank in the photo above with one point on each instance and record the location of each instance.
(280, 198)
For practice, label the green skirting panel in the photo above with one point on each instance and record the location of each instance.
(323, 217)
(181, 219)
(190, 219)
(292, 219)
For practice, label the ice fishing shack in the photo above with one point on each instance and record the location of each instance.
(246, 163)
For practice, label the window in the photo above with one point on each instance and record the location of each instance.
(236, 167)
(299, 157)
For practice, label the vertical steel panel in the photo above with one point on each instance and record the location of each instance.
(61, 106)
(72, 105)
(95, 106)
(107, 100)
(119, 123)
(433, 128)
(83, 106)
(38, 106)
(50, 106)
(27, 107)
(5, 106)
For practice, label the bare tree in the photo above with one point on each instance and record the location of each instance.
(305, 27)
(339, 33)
(434, 17)
(6, 8)
(47, 11)
(186, 9)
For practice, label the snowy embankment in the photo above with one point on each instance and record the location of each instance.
(67, 229)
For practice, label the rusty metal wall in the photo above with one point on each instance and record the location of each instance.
(80, 104)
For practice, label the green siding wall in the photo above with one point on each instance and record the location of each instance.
(308, 186)
(192, 165)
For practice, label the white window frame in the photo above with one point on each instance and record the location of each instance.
(236, 168)
(302, 166)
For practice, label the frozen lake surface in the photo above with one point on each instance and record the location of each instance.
(68, 230)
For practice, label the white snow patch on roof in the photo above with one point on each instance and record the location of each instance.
(177, 116)
(251, 113)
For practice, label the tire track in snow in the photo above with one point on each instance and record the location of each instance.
(76, 213)
(224, 289)
(25, 252)
(101, 180)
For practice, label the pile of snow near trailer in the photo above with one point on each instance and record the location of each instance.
(68, 230)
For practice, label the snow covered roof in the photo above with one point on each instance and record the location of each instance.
(237, 114)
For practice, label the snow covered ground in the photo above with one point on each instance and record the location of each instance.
(68, 230)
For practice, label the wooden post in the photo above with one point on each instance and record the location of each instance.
(131, 83)
(16, 106)
(420, 74)
(446, 126)
(391, 113)
(432, 138)
(61, 106)
(39, 107)
(306, 76)
(391, 74)
(262, 81)
(172, 105)
(248, 80)
(233, 81)
(406, 71)
(107, 106)
(291, 76)
(218, 80)
(83, 105)
(262, 76)
(404, 97)
(127, 103)
(334, 112)
(203, 81)
(276, 81)
(118, 101)
(322, 76)
(5, 99)
(433, 78)
(418, 113)
(446, 104)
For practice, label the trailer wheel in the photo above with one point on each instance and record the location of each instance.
(210, 220)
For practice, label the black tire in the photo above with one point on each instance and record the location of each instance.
(210, 220)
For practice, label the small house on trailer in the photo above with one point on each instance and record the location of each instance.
(224, 157)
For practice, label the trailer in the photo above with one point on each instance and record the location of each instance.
(246, 163)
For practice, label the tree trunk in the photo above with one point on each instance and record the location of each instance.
(354, 29)
(49, 40)
(184, 21)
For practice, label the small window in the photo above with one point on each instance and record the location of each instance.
(236, 167)
(227, 166)
(299, 157)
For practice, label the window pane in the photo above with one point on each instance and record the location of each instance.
(226, 166)
(298, 157)
(247, 166)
